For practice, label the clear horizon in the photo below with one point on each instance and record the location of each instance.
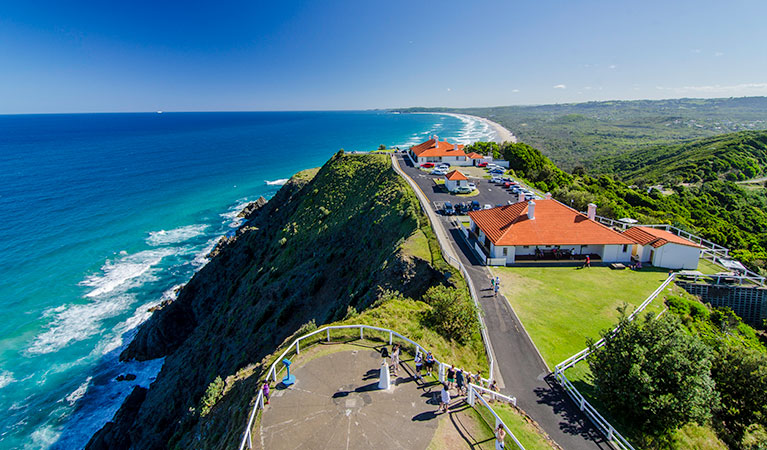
(91, 57)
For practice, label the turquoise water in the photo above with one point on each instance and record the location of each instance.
(103, 215)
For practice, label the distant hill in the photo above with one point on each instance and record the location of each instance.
(734, 157)
(576, 134)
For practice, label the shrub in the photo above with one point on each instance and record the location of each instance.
(453, 314)
(213, 393)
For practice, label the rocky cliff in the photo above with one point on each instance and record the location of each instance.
(328, 240)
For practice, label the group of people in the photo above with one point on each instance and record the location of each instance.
(495, 285)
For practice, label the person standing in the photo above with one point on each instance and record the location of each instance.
(460, 383)
(395, 359)
(451, 376)
(588, 261)
(492, 283)
(496, 290)
(265, 391)
(429, 363)
(418, 364)
(500, 436)
(444, 398)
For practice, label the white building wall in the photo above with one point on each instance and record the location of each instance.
(676, 256)
(616, 254)
(451, 185)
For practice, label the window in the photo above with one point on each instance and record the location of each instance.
(505, 251)
(625, 248)
(525, 246)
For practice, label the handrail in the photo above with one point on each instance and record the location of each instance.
(473, 395)
(559, 372)
(247, 441)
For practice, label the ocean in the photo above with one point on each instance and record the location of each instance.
(103, 216)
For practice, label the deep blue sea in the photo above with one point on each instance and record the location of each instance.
(103, 215)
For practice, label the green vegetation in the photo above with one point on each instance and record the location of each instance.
(637, 371)
(577, 134)
(654, 376)
(453, 313)
(552, 302)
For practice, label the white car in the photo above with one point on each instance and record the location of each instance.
(472, 186)
(487, 206)
(496, 180)
(438, 171)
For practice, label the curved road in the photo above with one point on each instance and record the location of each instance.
(523, 372)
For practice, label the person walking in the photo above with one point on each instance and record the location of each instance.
(496, 290)
(588, 261)
(492, 283)
(460, 383)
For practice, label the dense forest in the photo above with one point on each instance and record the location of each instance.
(578, 134)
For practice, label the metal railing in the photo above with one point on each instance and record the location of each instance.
(613, 436)
(475, 393)
(295, 345)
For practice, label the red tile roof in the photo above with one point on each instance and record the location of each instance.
(554, 224)
(473, 155)
(455, 176)
(436, 148)
(656, 237)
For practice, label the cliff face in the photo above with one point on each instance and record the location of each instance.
(322, 244)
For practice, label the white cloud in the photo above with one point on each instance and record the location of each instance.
(612, 66)
(515, 90)
(560, 86)
(695, 50)
(717, 54)
(448, 89)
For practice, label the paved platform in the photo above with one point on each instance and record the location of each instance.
(336, 404)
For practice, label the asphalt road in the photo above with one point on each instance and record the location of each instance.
(524, 373)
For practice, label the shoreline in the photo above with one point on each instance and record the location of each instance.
(502, 134)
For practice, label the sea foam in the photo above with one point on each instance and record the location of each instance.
(115, 273)
(279, 182)
(6, 378)
(175, 236)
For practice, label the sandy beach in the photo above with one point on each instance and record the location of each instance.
(502, 134)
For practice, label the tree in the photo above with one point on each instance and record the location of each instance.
(653, 375)
(741, 379)
(484, 148)
(453, 314)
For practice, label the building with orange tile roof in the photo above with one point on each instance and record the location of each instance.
(438, 152)
(454, 180)
(542, 227)
(662, 248)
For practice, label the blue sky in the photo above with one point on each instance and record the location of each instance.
(139, 55)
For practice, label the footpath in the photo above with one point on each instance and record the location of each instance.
(523, 373)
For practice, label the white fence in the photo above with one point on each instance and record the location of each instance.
(277, 366)
(559, 371)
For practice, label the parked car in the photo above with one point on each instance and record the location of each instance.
(444, 164)
(528, 197)
(507, 179)
(475, 205)
(427, 165)
(448, 209)
(464, 190)
(488, 206)
(438, 171)
(506, 184)
(496, 171)
(472, 186)
(496, 180)
(482, 164)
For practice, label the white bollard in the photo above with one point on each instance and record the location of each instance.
(384, 381)
(441, 372)
(470, 399)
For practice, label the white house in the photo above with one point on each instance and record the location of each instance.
(434, 151)
(455, 179)
(662, 248)
(546, 229)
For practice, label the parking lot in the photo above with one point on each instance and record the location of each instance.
(488, 193)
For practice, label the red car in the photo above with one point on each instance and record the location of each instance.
(507, 185)
(482, 164)
(427, 165)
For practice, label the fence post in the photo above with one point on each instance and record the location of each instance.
(610, 434)
(297, 349)
(261, 401)
(328, 334)
(361, 335)
(250, 439)
(583, 402)
(390, 338)
(470, 399)
(442, 372)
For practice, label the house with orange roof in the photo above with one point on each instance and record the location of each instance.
(535, 229)
(437, 152)
(455, 180)
(662, 248)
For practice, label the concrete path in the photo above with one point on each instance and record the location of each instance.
(525, 374)
(336, 404)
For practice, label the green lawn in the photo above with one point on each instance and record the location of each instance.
(561, 307)
(709, 267)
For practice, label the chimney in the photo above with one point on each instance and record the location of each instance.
(531, 210)
(592, 213)
(548, 196)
